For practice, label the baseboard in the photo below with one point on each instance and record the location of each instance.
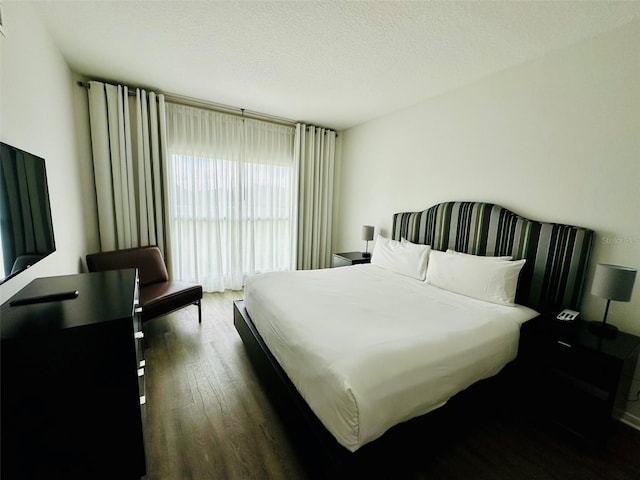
(630, 420)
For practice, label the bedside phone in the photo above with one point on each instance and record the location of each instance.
(567, 315)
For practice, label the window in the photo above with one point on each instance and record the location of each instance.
(230, 195)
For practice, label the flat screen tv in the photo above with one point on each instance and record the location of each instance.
(26, 229)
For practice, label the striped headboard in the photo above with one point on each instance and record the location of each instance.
(557, 255)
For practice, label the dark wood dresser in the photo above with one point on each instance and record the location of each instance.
(72, 379)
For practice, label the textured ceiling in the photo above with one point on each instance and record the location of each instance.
(335, 64)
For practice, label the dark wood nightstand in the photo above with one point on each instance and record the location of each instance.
(349, 258)
(574, 376)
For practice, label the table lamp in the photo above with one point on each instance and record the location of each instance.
(613, 282)
(367, 236)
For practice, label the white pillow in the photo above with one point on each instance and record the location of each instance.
(408, 258)
(404, 241)
(506, 257)
(473, 276)
(418, 249)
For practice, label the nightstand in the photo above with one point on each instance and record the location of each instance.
(349, 258)
(575, 377)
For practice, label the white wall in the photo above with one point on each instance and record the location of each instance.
(556, 139)
(37, 115)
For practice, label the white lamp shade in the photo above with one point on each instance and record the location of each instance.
(367, 233)
(614, 282)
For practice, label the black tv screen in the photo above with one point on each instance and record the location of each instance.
(26, 228)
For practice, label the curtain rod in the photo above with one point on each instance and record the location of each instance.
(221, 108)
(217, 107)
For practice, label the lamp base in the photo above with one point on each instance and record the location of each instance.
(603, 330)
(366, 254)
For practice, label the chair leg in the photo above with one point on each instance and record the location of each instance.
(199, 311)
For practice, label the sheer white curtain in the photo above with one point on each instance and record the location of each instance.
(231, 196)
(128, 139)
(315, 159)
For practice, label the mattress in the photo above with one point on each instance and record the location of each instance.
(368, 348)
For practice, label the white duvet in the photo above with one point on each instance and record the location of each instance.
(368, 348)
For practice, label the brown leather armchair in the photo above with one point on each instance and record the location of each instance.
(158, 295)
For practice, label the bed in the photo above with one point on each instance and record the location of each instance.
(356, 350)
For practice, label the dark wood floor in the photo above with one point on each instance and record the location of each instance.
(207, 417)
